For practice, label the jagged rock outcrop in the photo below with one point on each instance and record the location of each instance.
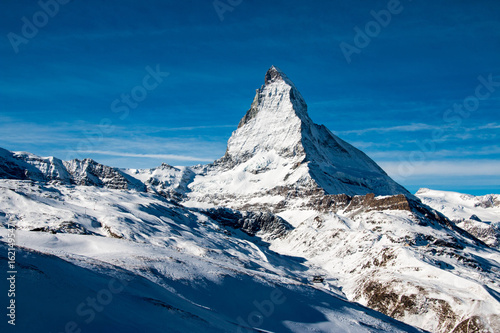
(251, 222)
(489, 233)
(89, 172)
(25, 166)
(166, 180)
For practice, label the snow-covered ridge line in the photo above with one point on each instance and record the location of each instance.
(478, 215)
(26, 166)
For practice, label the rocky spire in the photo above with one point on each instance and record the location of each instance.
(277, 134)
(275, 74)
(274, 121)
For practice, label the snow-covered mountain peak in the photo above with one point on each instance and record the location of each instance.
(280, 84)
(274, 121)
(277, 145)
(274, 74)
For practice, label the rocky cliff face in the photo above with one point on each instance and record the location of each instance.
(25, 166)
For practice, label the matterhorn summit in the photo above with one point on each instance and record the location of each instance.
(278, 151)
(274, 122)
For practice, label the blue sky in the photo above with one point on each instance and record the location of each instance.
(390, 98)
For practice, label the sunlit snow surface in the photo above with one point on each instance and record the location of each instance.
(462, 206)
(172, 269)
(382, 259)
(479, 215)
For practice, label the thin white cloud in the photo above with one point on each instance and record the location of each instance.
(458, 152)
(155, 156)
(401, 128)
(186, 128)
(452, 168)
(421, 127)
(487, 126)
(76, 130)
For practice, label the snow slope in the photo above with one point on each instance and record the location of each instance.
(459, 206)
(155, 266)
(402, 264)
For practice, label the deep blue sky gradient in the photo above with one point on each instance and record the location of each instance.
(60, 85)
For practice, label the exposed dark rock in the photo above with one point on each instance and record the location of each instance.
(383, 298)
(386, 256)
(172, 188)
(67, 227)
(475, 218)
(472, 324)
(489, 233)
(88, 172)
(272, 75)
(252, 112)
(110, 232)
(250, 222)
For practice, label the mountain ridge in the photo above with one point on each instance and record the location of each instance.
(275, 151)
